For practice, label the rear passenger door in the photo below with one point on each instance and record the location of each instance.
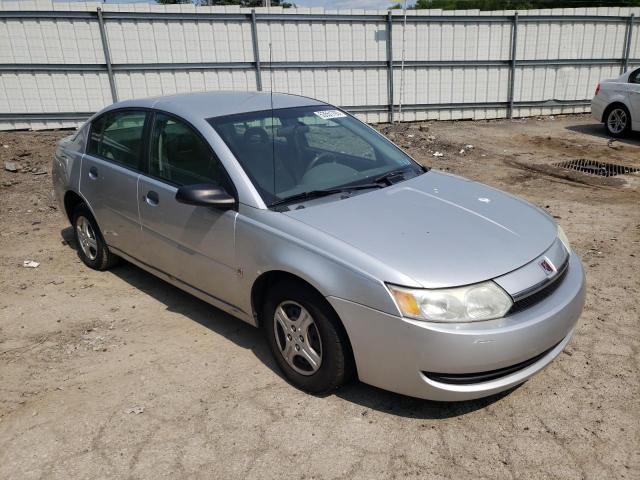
(109, 176)
(634, 98)
(194, 244)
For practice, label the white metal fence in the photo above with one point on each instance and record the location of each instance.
(59, 62)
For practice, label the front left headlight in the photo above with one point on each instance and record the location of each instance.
(482, 301)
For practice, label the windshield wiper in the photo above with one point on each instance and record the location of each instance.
(391, 177)
(311, 194)
(395, 176)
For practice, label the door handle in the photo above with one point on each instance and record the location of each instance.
(93, 173)
(152, 198)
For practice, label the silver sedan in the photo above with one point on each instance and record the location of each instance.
(295, 217)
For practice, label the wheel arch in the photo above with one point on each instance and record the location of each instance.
(267, 279)
(611, 106)
(71, 200)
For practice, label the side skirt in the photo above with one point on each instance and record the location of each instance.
(196, 292)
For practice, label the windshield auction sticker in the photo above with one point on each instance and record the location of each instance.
(329, 114)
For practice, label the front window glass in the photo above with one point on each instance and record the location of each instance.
(294, 150)
(181, 156)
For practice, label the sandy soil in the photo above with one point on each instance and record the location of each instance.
(118, 374)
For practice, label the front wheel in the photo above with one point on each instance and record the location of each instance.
(618, 121)
(306, 338)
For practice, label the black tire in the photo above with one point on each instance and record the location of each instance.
(95, 256)
(612, 118)
(337, 365)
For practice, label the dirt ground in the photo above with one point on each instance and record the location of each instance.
(120, 375)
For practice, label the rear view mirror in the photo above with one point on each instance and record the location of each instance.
(206, 195)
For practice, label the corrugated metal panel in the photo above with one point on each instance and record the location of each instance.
(337, 86)
(53, 92)
(326, 41)
(437, 41)
(166, 42)
(50, 41)
(553, 40)
(149, 84)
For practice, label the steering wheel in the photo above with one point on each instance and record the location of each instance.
(253, 131)
(324, 156)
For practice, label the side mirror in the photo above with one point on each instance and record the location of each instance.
(206, 195)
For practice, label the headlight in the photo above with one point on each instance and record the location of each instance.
(482, 301)
(563, 238)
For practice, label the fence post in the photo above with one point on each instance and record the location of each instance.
(512, 72)
(256, 51)
(107, 55)
(390, 64)
(627, 43)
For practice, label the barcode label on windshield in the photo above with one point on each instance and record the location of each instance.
(329, 114)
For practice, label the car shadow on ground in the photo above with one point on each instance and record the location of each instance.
(246, 336)
(598, 130)
(178, 301)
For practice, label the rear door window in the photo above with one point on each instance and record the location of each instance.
(118, 137)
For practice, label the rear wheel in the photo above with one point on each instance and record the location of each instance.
(92, 249)
(617, 121)
(306, 338)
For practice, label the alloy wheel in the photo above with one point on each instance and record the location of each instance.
(617, 120)
(297, 337)
(87, 238)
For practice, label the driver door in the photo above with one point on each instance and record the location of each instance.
(194, 244)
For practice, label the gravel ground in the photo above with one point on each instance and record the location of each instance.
(118, 374)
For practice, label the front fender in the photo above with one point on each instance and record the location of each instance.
(261, 248)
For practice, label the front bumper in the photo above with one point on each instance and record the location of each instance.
(393, 352)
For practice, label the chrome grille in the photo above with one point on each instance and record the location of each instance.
(540, 292)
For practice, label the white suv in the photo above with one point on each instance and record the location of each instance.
(617, 103)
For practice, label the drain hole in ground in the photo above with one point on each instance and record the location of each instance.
(596, 168)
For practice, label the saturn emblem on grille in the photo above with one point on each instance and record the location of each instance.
(548, 267)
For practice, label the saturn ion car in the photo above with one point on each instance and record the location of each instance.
(617, 103)
(297, 218)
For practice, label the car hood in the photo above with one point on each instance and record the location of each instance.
(438, 229)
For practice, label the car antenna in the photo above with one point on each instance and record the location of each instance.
(273, 136)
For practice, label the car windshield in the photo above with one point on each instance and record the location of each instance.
(290, 151)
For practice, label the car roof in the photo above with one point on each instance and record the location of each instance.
(198, 106)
